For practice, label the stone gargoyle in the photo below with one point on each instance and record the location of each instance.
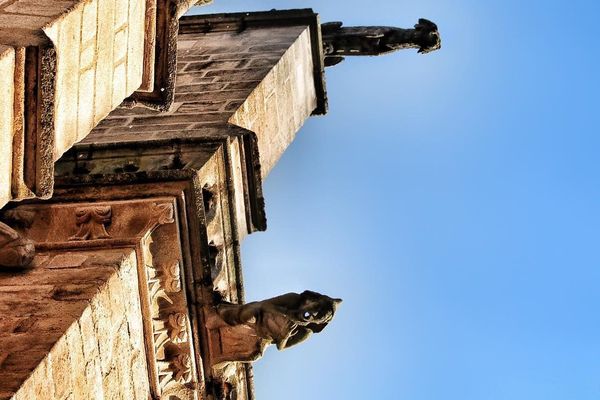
(245, 330)
(339, 41)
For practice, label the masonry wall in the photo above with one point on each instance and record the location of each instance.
(64, 65)
(278, 106)
(71, 328)
(260, 79)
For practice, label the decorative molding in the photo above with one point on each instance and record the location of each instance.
(170, 353)
(92, 222)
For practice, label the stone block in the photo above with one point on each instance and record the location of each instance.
(7, 106)
(136, 56)
(104, 70)
(75, 344)
(61, 369)
(94, 379)
(119, 83)
(61, 355)
(39, 8)
(67, 81)
(85, 119)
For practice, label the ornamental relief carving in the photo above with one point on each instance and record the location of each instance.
(160, 214)
(178, 327)
(123, 221)
(182, 367)
(171, 349)
(172, 277)
(91, 222)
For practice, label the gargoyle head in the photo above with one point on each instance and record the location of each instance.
(428, 37)
(316, 310)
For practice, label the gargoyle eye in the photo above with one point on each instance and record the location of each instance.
(307, 315)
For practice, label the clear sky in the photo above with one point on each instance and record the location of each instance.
(452, 199)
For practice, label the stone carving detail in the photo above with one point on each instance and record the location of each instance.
(170, 351)
(92, 222)
(162, 214)
(182, 368)
(178, 327)
(245, 330)
(172, 277)
(210, 201)
(169, 330)
(15, 251)
(155, 289)
(339, 41)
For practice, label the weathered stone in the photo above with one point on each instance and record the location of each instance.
(60, 358)
(339, 41)
(65, 65)
(15, 251)
(241, 332)
(137, 290)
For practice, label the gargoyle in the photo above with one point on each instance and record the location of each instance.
(245, 330)
(339, 41)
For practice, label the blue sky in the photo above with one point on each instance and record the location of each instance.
(452, 200)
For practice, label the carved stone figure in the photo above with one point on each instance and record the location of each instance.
(339, 41)
(245, 330)
(15, 251)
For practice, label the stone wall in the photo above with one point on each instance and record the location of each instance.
(278, 106)
(181, 188)
(71, 328)
(74, 62)
(65, 65)
(100, 46)
(260, 79)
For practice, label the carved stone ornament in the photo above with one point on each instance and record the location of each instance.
(91, 223)
(172, 278)
(171, 351)
(15, 251)
(339, 41)
(178, 327)
(182, 368)
(161, 214)
(243, 331)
